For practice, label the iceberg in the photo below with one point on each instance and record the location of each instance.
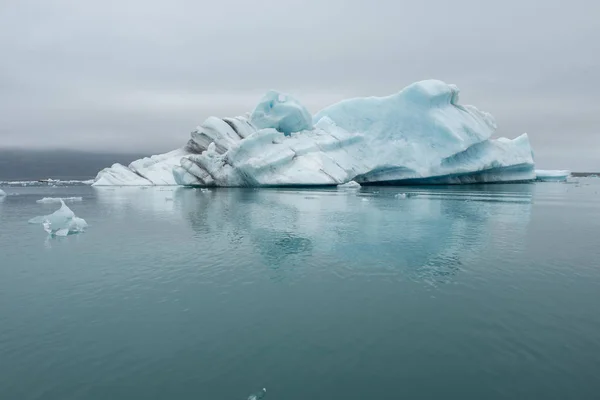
(52, 200)
(552, 175)
(349, 185)
(2, 193)
(420, 135)
(62, 222)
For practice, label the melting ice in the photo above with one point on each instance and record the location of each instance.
(62, 222)
(420, 135)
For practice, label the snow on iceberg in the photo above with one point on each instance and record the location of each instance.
(552, 175)
(62, 222)
(420, 135)
(51, 200)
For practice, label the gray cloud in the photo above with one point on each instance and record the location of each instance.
(137, 75)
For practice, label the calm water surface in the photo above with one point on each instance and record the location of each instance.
(470, 292)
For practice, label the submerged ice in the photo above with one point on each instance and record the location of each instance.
(420, 135)
(62, 222)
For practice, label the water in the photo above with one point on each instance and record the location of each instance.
(465, 292)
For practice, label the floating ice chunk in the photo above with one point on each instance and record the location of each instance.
(51, 200)
(349, 185)
(2, 193)
(257, 396)
(62, 222)
(400, 196)
(552, 175)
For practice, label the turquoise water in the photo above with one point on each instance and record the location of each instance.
(467, 292)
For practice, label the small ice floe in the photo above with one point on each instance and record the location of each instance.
(259, 395)
(2, 193)
(204, 190)
(404, 195)
(62, 222)
(552, 175)
(52, 200)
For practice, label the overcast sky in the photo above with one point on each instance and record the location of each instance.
(139, 75)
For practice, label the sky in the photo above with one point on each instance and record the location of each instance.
(139, 75)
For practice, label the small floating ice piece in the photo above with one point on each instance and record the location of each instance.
(552, 175)
(2, 193)
(400, 196)
(51, 200)
(259, 395)
(62, 222)
(349, 185)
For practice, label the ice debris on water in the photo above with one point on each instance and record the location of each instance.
(62, 222)
(349, 185)
(259, 395)
(52, 200)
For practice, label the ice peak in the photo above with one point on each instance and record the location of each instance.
(281, 112)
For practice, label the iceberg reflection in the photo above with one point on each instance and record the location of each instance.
(425, 237)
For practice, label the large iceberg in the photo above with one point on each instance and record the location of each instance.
(420, 135)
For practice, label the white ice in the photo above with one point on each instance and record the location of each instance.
(552, 175)
(154, 170)
(420, 135)
(349, 185)
(51, 200)
(2, 193)
(62, 222)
